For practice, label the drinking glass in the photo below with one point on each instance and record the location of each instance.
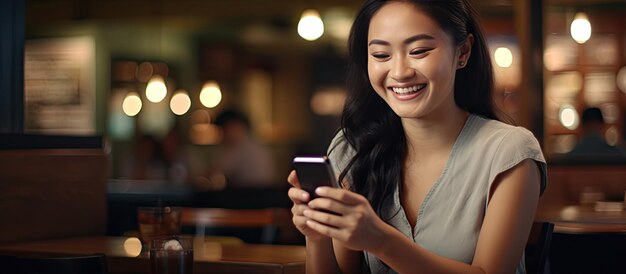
(158, 222)
(171, 255)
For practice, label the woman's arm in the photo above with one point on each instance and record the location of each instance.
(328, 256)
(320, 257)
(323, 256)
(350, 261)
(509, 217)
(502, 238)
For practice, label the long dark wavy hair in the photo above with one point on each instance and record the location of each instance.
(372, 128)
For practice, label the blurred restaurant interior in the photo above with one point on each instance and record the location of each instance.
(147, 81)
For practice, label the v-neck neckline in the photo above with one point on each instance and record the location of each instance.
(414, 229)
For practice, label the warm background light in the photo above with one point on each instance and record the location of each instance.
(121, 126)
(580, 28)
(328, 101)
(561, 53)
(132, 104)
(180, 102)
(564, 143)
(611, 136)
(210, 95)
(156, 89)
(310, 26)
(337, 24)
(132, 246)
(568, 117)
(504, 57)
(202, 132)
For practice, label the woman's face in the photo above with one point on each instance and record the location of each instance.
(411, 61)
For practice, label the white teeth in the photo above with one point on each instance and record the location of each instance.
(408, 90)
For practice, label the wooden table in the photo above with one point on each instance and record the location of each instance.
(585, 240)
(583, 219)
(124, 254)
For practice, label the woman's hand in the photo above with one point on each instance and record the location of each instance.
(355, 225)
(300, 198)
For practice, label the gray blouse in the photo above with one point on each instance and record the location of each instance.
(450, 217)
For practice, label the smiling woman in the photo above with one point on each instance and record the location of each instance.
(429, 184)
(414, 61)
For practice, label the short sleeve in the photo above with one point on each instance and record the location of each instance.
(517, 145)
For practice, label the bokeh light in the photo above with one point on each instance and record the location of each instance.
(568, 117)
(132, 104)
(504, 57)
(210, 95)
(180, 102)
(311, 26)
(156, 89)
(132, 246)
(580, 28)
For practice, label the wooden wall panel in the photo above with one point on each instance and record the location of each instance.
(50, 193)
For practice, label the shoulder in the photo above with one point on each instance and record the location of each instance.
(499, 135)
(494, 127)
(505, 146)
(339, 144)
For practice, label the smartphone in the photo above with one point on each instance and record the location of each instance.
(314, 171)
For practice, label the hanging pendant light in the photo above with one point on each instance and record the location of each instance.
(311, 25)
(210, 95)
(503, 57)
(180, 102)
(580, 29)
(132, 104)
(156, 89)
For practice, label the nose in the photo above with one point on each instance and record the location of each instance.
(401, 70)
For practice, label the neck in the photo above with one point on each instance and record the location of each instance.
(434, 135)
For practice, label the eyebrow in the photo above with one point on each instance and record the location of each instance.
(406, 41)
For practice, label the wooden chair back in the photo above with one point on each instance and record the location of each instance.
(538, 248)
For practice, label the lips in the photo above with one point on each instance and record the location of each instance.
(403, 91)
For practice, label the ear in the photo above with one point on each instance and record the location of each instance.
(465, 51)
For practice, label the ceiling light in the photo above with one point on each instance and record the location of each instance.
(310, 26)
(568, 117)
(180, 102)
(504, 57)
(156, 89)
(132, 104)
(580, 28)
(210, 95)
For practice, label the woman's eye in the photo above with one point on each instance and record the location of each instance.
(380, 55)
(419, 51)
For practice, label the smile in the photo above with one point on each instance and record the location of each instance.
(408, 90)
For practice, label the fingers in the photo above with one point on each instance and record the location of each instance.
(323, 229)
(293, 179)
(330, 205)
(299, 221)
(342, 195)
(297, 209)
(325, 217)
(298, 196)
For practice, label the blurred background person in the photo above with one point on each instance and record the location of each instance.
(241, 158)
(157, 158)
(592, 142)
(147, 161)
